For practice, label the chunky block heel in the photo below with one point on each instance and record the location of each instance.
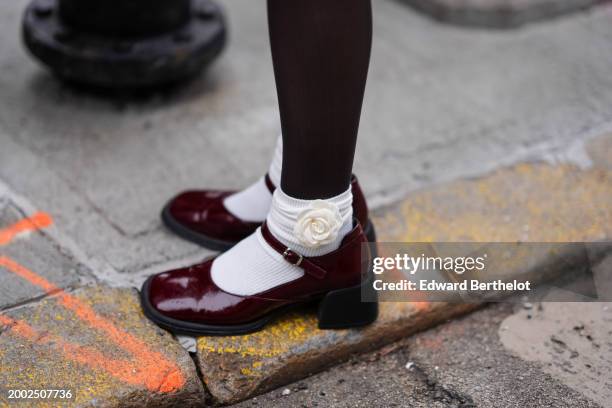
(343, 308)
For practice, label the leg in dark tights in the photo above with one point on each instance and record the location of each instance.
(321, 53)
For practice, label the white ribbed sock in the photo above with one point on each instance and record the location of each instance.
(285, 213)
(253, 203)
(252, 266)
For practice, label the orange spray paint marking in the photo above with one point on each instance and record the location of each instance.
(149, 368)
(33, 223)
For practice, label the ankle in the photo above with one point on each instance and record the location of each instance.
(311, 227)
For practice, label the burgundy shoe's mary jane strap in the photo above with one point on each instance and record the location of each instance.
(291, 256)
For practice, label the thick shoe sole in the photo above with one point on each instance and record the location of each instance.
(219, 245)
(338, 309)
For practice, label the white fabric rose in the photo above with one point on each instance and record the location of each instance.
(318, 225)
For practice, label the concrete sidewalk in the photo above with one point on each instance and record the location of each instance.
(466, 135)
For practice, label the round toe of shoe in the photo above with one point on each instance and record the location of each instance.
(188, 295)
(192, 209)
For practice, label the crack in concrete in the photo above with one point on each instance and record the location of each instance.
(208, 398)
(147, 231)
(39, 298)
(96, 209)
(442, 393)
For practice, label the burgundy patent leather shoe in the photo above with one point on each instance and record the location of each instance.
(200, 216)
(187, 301)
